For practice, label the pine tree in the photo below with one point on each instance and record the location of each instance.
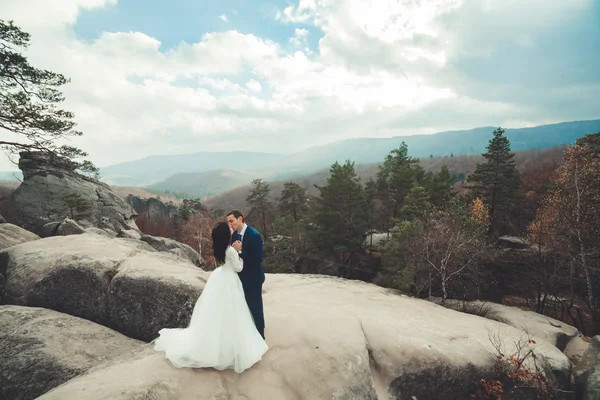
(440, 187)
(28, 99)
(395, 177)
(259, 200)
(496, 181)
(341, 214)
(416, 203)
(293, 200)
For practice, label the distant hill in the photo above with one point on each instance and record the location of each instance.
(154, 169)
(124, 191)
(202, 184)
(458, 165)
(471, 141)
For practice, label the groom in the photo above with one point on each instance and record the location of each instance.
(249, 245)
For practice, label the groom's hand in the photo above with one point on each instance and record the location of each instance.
(237, 245)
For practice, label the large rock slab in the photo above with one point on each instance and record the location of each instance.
(331, 339)
(42, 349)
(53, 191)
(120, 283)
(11, 235)
(587, 372)
(551, 330)
(174, 247)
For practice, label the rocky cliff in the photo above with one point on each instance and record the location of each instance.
(51, 191)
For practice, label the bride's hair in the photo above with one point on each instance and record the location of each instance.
(221, 236)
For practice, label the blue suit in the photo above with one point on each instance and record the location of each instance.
(252, 275)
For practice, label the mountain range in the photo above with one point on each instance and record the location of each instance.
(206, 173)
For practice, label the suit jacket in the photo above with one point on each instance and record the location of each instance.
(252, 254)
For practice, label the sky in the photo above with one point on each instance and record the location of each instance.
(155, 77)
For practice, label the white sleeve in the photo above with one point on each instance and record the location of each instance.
(232, 258)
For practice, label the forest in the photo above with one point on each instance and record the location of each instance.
(524, 235)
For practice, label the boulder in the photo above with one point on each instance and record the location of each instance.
(120, 283)
(49, 229)
(52, 191)
(69, 227)
(513, 242)
(129, 234)
(98, 231)
(174, 247)
(376, 240)
(42, 349)
(11, 235)
(587, 372)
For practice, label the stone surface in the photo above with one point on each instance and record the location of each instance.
(513, 242)
(329, 338)
(69, 227)
(121, 283)
(326, 342)
(42, 349)
(587, 372)
(52, 192)
(174, 247)
(11, 235)
(551, 330)
(129, 234)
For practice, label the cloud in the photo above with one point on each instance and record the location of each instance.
(223, 17)
(381, 68)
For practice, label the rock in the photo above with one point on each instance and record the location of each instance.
(11, 235)
(174, 247)
(587, 372)
(49, 229)
(52, 191)
(42, 349)
(120, 283)
(513, 242)
(576, 349)
(105, 225)
(2, 220)
(69, 227)
(129, 234)
(343, 350)
(153, 209)
(98, 231)
(551, 330)
(376, 240)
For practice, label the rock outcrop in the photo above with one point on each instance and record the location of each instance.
(587, 372)
(52, 192)
(174, 247)
(121, 283)
(11, 235)
(326, 342)
(153, 209)
(328, 337)
(42, 349)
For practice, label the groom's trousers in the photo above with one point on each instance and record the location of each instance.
(253, 293)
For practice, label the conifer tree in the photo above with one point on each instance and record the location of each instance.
(496, 181)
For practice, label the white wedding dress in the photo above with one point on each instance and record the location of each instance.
(221, 333)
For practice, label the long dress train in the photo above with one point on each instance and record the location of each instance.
(221, 333)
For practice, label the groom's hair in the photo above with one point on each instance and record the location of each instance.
(236, 214)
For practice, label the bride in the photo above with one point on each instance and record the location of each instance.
(221, 333)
